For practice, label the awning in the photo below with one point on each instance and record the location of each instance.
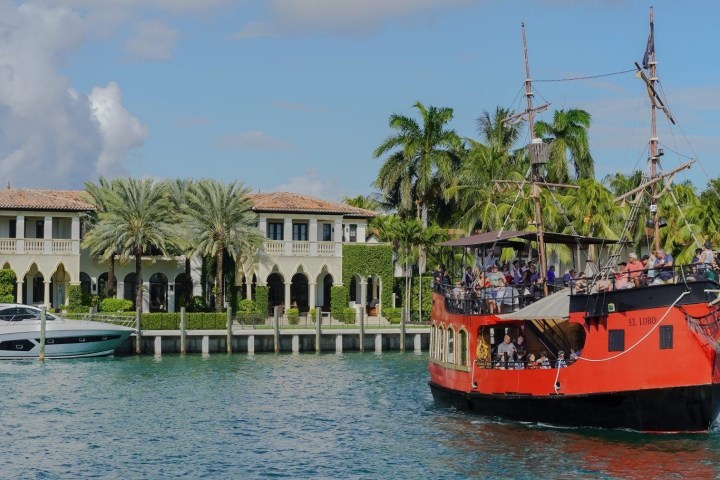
(553, 307)
(504, 239)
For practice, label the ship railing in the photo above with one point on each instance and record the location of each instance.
(520, 365)
(627, 279)
(114, 319)
(483, 301)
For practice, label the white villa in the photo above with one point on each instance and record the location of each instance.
(302, 258)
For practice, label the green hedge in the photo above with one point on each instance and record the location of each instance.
(338, 301)
(7, 285)
(195, 321)
(75, 297)
(261, 299)
(293, 315)
(426, 296)
(366, 259)
(112, 305)
(393, 315)
(349, 315)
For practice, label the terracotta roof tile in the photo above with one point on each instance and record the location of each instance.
(27, 199)
(296, 202)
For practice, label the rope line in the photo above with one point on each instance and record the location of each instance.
(643, 337)
(587, 77)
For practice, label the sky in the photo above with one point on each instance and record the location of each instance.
(294, 95)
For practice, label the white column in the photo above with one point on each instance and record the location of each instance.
(46, 300)
(287, 294)
(75, 234)
(171, 300)
(295, 343)
(361, 233)
(248, 288)
(378, 343)
(251, 344)
(19, 291)
(287, 236)
(20, 233)
(47, 235)
(313, 236)
(338, 233)
(311, 295)
(146, 297)
(158, 346)
(363, 293)
(119, 290)
(262, 226)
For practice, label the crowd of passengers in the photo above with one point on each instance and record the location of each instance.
(513, 355)
(499, 285)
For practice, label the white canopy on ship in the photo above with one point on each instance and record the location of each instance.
(553, 307)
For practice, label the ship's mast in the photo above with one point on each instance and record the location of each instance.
(654, 157)
(536, 177)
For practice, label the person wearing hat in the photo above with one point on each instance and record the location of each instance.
(635, 269)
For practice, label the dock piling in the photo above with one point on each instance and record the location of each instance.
(276, 327)
(43, 320)
(183, 328)
(229, 329)
(318, 329)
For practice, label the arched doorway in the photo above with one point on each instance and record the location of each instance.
(327, 292)
(299, 292)
(38, 289)
(129, 286)
(59, 283)
(102, 285)
(85, 284)
(158, 292)
(352, 290)
(276, 290)
(183, 291)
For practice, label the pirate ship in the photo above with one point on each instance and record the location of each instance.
(643, 358)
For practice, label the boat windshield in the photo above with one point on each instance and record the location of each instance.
(16, 314)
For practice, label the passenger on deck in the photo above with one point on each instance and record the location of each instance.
(634, 269)
(520, 352)
(468, 278)
(569, 278)
(506, 350)
(581, 284)
(664, 265)
(650, 270)
(543, 362)
(561, 363)
(532, 362)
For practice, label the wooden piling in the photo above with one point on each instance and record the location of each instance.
(318, 329)
(43, 320)
(229, 330)
(276, 327)
(183, 328)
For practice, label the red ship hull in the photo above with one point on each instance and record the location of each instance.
(646, 383)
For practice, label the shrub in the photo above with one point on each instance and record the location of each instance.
(116, 305)
(7, 285)
(393, 315)
(75, 297)
(261, 300)
(312, 313)
(338, 301)
(293, 315)
(197, 304)
(348, 315)
(246, 307)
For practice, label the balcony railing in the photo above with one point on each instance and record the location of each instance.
(8, 245)
(300, 248)
(34, 245)
(55, 246)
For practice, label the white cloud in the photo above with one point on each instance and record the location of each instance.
(253, 139)
(152, 40)
(50, 135)
(310, 183)
(120, 131)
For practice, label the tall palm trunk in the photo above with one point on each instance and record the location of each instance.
(138, 300)
(219, 293)
(110, 285)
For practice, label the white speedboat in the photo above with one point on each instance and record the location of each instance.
(20, 335)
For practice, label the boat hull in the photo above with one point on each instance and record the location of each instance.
(677, 409)
(63, 340)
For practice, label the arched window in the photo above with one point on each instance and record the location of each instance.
(441, 345)
(432, 340)
(463, 347)
(451, 345)
(85, 283)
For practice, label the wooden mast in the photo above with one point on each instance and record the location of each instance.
(536, 177)
(652, 66)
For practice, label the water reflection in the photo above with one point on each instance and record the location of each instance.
(497, 449)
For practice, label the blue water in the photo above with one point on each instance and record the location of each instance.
(294, 416)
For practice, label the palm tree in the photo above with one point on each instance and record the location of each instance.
(138, 216)
(99, 242)
(499, 136)
(368, 202)
(427, 154)
(569, 136)
(219, 219)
